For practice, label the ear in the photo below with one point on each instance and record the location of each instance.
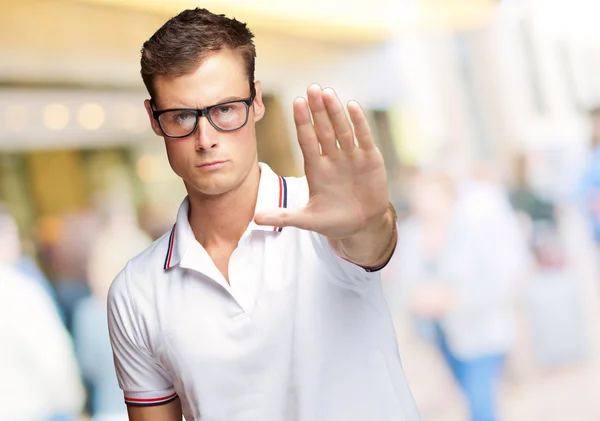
(153, 122)
(259, 106)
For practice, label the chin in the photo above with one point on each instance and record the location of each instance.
(212, 185)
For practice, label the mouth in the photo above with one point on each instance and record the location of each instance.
(211, 165)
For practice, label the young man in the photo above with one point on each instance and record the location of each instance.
(264, 301)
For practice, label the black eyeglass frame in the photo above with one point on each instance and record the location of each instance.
(203, 112)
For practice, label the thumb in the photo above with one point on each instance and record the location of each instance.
(284, 218)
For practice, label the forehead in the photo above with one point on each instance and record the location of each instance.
(220, 75)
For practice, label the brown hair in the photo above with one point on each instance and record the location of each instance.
(184, 41)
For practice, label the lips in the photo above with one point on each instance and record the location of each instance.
(210, 164)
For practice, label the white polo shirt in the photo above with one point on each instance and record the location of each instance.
(298, 334)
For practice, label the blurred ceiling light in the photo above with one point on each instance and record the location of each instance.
(56, 116)
(15, 117)
(90, 116)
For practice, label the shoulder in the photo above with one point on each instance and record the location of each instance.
(132, 296)
(138, 276)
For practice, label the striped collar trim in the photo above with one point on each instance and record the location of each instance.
(167, 264)
(283, 197)
(272, 192)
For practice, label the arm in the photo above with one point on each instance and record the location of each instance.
(373, 246)
(167, 412)
(148, 388)
(348, 198)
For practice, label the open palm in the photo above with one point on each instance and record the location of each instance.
(346, 178)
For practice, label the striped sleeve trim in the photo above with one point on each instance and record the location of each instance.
(150, 401)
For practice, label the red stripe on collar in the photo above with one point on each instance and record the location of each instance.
(280, 196)
(170, 250)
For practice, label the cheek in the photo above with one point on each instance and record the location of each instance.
(245, 144)
(178, 153)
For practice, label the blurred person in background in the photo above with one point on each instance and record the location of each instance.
(589, 188)
(459, 258)
(525, 200)
(116, 242)
(264, 301)
(69, 255)
(39, 378)
(538, 217)
(24, 263)
(28, 266)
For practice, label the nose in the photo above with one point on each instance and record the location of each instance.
(205, 135)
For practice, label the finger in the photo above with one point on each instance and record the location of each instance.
(307, 138)
(341, 125)
(361, 126)
(284, 218)
(322, 121)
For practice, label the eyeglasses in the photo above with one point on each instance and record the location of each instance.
(182, 122)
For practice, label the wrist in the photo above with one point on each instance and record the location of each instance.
(382, 259)
(372, 247)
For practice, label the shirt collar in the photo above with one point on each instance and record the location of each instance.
(272, 194)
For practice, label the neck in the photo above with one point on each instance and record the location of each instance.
(223, 219)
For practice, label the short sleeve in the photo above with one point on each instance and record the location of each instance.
(143, 380)
(344, 273)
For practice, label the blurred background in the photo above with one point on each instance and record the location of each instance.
(485, 112)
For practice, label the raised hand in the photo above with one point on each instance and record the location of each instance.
(344, 169)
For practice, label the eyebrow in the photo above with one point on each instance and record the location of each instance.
(231, 98)
(227, 99)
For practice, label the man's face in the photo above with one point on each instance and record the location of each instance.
(210, 162)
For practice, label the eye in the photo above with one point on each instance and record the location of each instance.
(184, 116)
(224, 109)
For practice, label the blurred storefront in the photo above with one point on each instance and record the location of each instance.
(505, 79)
(73, 129)
(473, 79)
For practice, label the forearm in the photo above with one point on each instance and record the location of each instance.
(373, 246)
